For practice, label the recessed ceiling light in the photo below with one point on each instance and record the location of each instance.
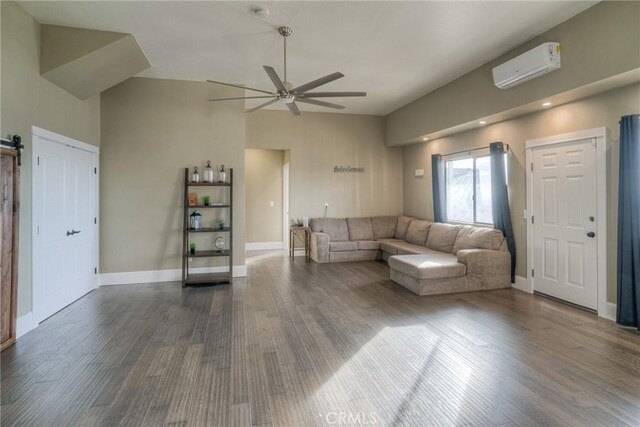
(483, 122)
(546, 104)
(425, 139)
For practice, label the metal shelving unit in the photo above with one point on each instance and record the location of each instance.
(206, 278)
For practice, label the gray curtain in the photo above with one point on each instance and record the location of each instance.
(628, 310)
(500, 200)
(439, 192)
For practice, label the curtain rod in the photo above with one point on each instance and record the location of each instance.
(473, 149)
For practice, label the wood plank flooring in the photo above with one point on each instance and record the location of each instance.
(298, 344)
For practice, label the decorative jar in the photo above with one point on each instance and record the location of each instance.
(196, 220)
(208, 172)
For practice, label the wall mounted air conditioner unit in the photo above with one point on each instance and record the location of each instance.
(534, 63)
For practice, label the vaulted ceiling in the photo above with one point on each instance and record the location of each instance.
(395, 51)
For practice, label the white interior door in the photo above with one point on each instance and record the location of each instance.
(564, 222)
(64, 229)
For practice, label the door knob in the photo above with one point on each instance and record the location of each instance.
(591, 234)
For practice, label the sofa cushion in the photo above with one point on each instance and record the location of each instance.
(400, 247)
(336, 228)
(343, 246)
(442, 236)
(431, 266)
(401, 228)
(411, 249)
(384, 227)
(470, 237)
(360, 229)
(365, 245)
(390, 246)
(418, 231)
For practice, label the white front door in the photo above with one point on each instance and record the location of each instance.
(64, 212)
(564, 222)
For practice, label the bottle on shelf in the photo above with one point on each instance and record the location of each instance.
(208, 173)
(195, 177)
(222, 175)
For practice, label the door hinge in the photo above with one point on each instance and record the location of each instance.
(533, 273)
(95, 220)
(533, 220)
(95, 171)
(531, 166)
(95, 270)
(38, 160)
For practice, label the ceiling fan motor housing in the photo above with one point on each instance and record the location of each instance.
(285, 31)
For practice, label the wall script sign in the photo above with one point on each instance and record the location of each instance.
(348, 169)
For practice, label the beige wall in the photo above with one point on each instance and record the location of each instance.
(603, 110)
(27, 100)
(599, 43)
(263, 185)
(320, 141)
(151, 130)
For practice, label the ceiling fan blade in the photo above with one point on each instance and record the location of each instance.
(318, 82)
(320, 103)
(244, 97)
(332, 94)
(293, 108)
(262, 105)
(275, 79)
(241, 87)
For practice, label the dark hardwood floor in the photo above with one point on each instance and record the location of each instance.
(306, 344)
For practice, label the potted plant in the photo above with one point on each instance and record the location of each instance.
(192, 248)
(221, 224)
(207, 200)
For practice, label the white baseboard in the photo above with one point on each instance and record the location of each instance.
(152, 276)
(609, 312)
(24, 324)
(263, 246)
(522, 285)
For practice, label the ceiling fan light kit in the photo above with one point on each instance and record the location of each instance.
(287, 93)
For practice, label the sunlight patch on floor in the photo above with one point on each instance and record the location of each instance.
(376, 385)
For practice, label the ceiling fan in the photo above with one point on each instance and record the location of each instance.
(287, 93)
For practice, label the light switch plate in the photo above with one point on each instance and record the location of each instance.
(419, 172)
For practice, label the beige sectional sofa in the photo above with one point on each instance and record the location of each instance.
(425, 257)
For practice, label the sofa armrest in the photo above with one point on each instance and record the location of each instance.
(488, 266)
(319, 247)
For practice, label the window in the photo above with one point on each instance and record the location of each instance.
(468, 188)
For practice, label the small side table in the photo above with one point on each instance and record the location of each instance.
(305, 234)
